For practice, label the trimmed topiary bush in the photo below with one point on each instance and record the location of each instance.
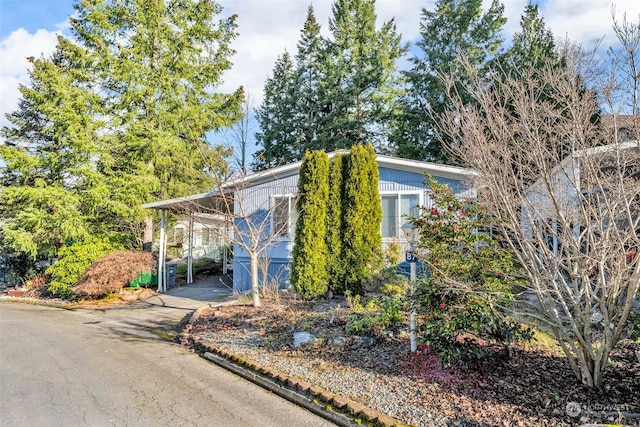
(335, 266)
(362, 215)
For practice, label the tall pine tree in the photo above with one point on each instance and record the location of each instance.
(277, 136)
(341, 91)
(124, 123)
(359, 87)
(158, 62)
(308, 75)
(454, 27)
(47, 156)
(533, 46)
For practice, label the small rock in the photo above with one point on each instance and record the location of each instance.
(337, 341)
(364, 341)
(300, 338)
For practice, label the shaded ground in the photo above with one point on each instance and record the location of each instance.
(533, 387)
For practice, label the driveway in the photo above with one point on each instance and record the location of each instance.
(116, 367)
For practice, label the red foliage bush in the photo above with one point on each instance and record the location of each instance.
(112, 272)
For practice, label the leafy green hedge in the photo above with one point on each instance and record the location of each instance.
(74, 260)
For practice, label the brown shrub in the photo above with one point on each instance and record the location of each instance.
(112, 272)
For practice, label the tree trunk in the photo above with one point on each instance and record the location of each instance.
(147, 239)
(255, 286)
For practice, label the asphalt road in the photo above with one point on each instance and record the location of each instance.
(118, 368)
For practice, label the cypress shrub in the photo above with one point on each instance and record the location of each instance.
(309, 266)
(362, 214)
(335, 265)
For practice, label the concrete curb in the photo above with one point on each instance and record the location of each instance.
(296, 390)
(275, 388)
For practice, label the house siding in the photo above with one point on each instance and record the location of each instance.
(278, 273)
(255, 201)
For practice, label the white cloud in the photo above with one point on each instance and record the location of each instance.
(269, 27)
(14, 68)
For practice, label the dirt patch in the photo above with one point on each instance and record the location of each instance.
(535, 386)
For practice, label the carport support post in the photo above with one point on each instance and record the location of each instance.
(161, 254)
(190, 251)
(225, 241)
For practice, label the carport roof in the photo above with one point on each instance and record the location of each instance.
(203, 202)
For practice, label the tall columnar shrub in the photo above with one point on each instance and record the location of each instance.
(362, 214)
(309, 267)
(335, 265)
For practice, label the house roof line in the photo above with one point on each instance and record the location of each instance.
(601, 149)
(291, 168)
(567, 161)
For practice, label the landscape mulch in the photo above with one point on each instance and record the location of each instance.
(534, 386)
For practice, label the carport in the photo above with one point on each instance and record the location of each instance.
(212, 202)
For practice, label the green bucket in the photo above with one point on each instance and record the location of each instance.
(144, 278)
(134, 283)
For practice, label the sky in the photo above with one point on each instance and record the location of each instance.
(269, 27)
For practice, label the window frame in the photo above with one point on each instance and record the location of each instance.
(291, 198)
(398, 204)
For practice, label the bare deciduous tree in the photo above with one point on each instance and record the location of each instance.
(567, 202)
(260, 210)
(239, 134)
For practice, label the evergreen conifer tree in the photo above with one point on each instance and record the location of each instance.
(307, 106)
(533, 46)
(340, 91)
(359, 87)
(335, 264)
(362, 215)
(454, 27)
(278, 134)
(158, 63)
(47, 157)
(309, 266)
(123, 123)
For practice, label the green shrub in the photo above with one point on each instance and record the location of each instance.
(376, 317)
(470, 282)
(453, 322)
(361, 217)
(73, 261)
(334, 237)
(309, 266)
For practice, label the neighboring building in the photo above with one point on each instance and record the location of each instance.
(208, 238)
(264, 209)
(574, 188)
(626, 128)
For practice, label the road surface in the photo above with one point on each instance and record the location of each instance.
(117, 368)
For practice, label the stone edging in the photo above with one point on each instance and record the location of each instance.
(295, 389)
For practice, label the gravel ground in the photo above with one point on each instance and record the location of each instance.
(394, 396)
(532, 387)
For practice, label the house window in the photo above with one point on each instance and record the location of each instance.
(395, 211)
(177, 236)
(206, 237)
(284, 216)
